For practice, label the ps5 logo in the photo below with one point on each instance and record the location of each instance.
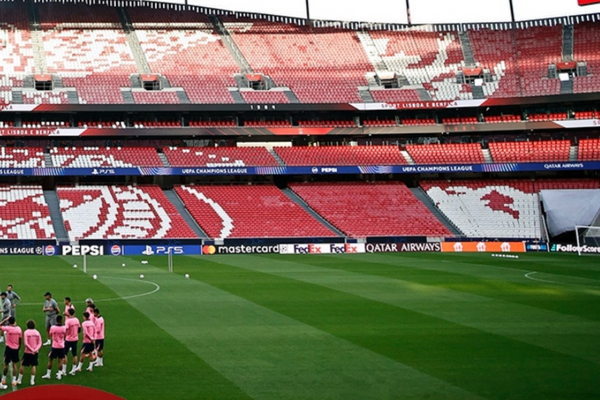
(162, 250)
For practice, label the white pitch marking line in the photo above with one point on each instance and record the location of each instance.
(133, 296)
(528, 276)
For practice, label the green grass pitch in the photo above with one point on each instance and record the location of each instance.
(360, 326)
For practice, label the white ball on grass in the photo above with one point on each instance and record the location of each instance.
(74, 265)
(141, 276)
(95, 276)
(187, 276)
(122, 265)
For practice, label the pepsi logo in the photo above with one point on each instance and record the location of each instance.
(115, 250)
(49, 250)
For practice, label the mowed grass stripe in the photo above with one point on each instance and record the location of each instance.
(270, 355)
(529, 324)
(490, 365)
(142, 361)
(502, 279)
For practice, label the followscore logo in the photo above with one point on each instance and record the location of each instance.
(569, 248)
(402, 247)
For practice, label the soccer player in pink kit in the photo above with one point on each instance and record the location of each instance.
(99, 324)
(89, 304)
(11, 351)
(33, 344)
(58, 333)
(89, 338)
(73, 327)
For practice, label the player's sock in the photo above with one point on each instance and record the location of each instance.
(4, 379)
(79, 366)
(100, 361)
(32, 381)
(20, 378)
(64, 369)
(14, 381)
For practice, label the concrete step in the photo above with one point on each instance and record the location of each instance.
(55, 215)
(187, 217)
(298, 200)
(426, 200)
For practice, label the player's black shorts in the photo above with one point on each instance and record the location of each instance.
(30, 360)
(57, 353)
(87, 348)
(72, 347)
(11, 355)
(99, 344)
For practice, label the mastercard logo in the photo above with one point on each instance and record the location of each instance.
(209, 249)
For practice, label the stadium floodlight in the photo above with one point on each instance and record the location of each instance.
(588, 239)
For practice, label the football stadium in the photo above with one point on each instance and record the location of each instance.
(300, 199)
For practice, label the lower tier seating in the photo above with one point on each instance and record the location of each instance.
(489, 209)
(248, 211)
(120, 212)
(371, 209)
(24, 213)
(452, 153)
(21, 157)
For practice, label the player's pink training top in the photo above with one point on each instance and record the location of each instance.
(33, 341)
(89, 331)
(99, 323)
(13, 334)
(58, 334)
(72, 325)
(67, 308)
(90, 311)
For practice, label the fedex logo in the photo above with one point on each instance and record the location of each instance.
(301, 248)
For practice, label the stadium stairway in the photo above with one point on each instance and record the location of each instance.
(426, 200)
(57, 219)
(296, 199)
(567, 43)
(39, 55)
(467, 50)
(174, 198)
(134, 44)
(230, 44)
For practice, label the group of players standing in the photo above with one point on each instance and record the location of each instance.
(62, 338)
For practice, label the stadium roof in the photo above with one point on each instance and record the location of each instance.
(388, 11)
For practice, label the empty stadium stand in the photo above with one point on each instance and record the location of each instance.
(248, 211)
(586, 43)
(371, 209)
(120, 212)
(219, 157)
(187, 51)
(452, 153)
(25, 214)
(489, 209)
(96, 33)
(540, 151)
(340, 155)
(323, 66)
(97, 157)
(589, 149)
(17, 157)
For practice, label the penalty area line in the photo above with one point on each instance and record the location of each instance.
(133, 296)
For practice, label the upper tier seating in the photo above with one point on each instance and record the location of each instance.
(425, 58)
(183, 46)
(46, 97)
(395, 95)
(24, 213)
(120, 212)
(538, 47)
(341, 155)
(26, 157)
(586, 45)
(264, 97)
(496, 50)
(320, 66)
(489, 209)
(452, 153)
(87, 47)
(248, 211)
(219, 157)
(572, 183)
(100, 157)
(589, 149)
(371, 209)
(155, 97)
(16, 52)
(539, 151)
